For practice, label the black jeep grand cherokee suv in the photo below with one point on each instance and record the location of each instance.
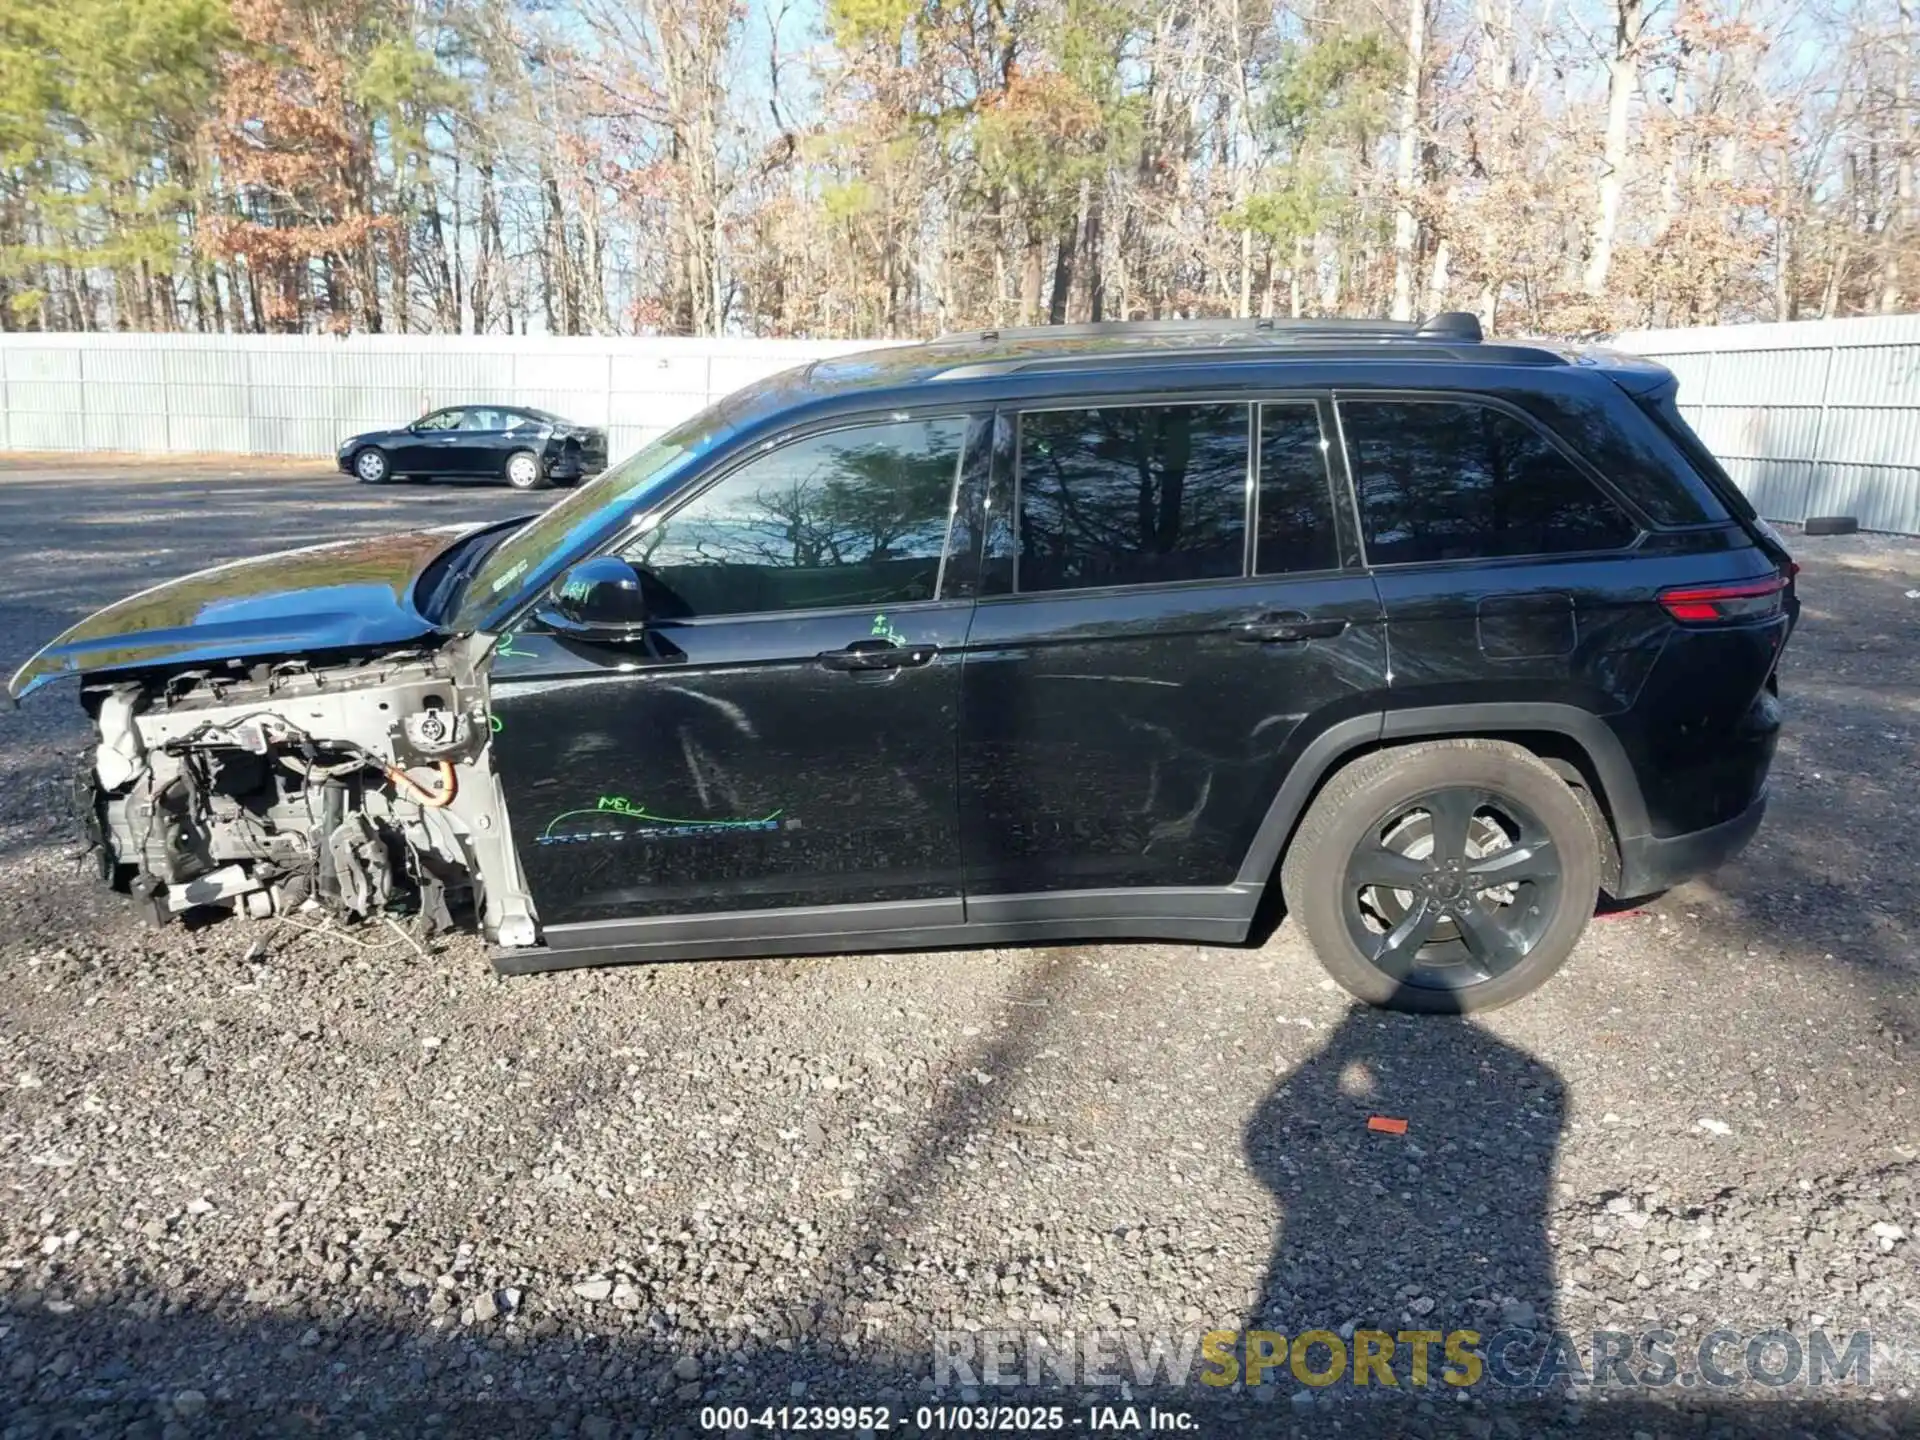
(1079, 632)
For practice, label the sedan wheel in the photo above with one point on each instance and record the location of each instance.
(371, 466)
(524, 471)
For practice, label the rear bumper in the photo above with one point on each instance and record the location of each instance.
(1652, 863)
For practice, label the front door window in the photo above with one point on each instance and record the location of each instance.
(853, 517)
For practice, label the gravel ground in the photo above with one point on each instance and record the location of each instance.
(259, 1179)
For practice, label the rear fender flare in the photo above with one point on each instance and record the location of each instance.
(1334, 746)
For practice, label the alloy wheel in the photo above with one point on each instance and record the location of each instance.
(1451, 888)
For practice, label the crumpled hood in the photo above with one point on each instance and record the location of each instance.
(343, 595)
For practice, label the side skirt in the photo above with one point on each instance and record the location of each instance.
(1218, 916)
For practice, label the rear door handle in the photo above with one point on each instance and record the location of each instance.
(1288, 627)
(878, 655)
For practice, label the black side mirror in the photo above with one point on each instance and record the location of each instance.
(598, 599)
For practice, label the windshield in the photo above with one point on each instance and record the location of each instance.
(529, 555)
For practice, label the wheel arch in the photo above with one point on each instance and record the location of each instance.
(1576, 744)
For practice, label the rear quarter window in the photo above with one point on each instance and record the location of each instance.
(1664, 410)
(1624, 445)
(1459, 480)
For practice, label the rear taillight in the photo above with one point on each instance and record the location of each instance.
(1738, 601)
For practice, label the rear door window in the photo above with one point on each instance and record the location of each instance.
(1132, 495)
(1294, 525)
(1458, 480)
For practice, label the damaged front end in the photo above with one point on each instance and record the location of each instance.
(294, 731)
(363, 788)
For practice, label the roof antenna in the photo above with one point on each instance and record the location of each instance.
(1461, 325)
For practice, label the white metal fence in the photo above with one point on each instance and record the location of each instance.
(1816, 418)
(301, 395)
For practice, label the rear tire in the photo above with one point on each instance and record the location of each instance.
(371, 467)
(1441, 818)
(525, 472)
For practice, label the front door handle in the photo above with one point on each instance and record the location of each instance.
(878, 655)
(1287, 627)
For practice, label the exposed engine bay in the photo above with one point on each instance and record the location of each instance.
(364, 789)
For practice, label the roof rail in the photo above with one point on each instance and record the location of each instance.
(1453, 325)
(1096, 328)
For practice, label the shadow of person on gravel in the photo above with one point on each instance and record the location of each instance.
(1437, 1228)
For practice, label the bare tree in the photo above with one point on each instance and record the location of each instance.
(1623, 82)
(1406, 219)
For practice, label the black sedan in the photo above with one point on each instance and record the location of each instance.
(529, 447)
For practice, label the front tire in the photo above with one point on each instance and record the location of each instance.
(371, 466)
(525, 472)
(1443, 877)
